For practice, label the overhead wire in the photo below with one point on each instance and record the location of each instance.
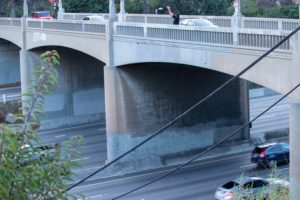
(187, 111)
(209, 149)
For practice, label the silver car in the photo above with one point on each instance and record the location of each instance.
(197, 22)
(94, 19)
(244, 187)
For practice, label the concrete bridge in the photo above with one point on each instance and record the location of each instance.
(138, 73)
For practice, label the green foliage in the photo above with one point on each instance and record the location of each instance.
(28, 172)
(249, 8)
(192, 7)
(86, 6)
(14, 8)
(134, 6)
(289, 11)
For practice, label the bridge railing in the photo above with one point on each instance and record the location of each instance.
(80, 16)
(15, 22)
(222, 21)
(223, 36)
(67, 25)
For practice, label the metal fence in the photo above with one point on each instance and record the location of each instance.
(68, 25)
(16, 22)
(222, 21)
(222, 36)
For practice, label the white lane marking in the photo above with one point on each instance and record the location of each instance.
(283, 169)
(102, 129)
(92, 197)
(250, 165)
(85, 158)
(152, 173)
(58, 136)
(70, 128)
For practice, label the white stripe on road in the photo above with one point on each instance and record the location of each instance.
(79, 159)
(58, 136)
(283, 169)
(250, 165)
(152, 173)
(70, 128)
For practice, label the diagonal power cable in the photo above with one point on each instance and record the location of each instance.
(209, 149)
(188, 110)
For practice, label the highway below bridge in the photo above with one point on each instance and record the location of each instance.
(194, 182)
(200, 179)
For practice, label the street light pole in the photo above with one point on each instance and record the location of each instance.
(122, 11)
(61, 10)
(112, 10)
(25, 8)
(24, 70)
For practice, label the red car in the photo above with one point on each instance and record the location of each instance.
(41, 15)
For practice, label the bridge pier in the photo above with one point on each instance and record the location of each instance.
(141, 98)
(294, 149)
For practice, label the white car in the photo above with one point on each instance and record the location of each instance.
(197, 22)
(94, 18)
(247, 187)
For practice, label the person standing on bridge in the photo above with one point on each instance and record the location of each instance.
(176, 18)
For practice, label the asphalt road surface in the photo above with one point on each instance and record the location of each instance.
(8, 94)
(195, 182)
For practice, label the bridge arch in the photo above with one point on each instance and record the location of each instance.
(79, 97)
(228, 60)
(91, 44)
(146, 96)
(9, 63)
(71, 47)
(8, 36)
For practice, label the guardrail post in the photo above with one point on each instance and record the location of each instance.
(280, 25)
(145, 30)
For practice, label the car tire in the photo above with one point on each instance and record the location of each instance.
(272, 163)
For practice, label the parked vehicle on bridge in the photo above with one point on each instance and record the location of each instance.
(271, 154)
(94, 18)
(41, 15)
(197, 22)
(249, 188)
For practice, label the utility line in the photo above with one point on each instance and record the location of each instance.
(188, 110)
(209, 149)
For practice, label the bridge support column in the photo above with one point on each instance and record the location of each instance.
(294, 149)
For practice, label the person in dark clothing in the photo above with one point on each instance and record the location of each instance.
(176, 18)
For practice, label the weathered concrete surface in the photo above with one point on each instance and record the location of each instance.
(79, 97)
(294, 149)
(9, 63)
(141, 98)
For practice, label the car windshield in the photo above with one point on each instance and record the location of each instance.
(230, 185)
(43, 14)
(203, 23)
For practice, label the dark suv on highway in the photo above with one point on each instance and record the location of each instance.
(271, 154)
